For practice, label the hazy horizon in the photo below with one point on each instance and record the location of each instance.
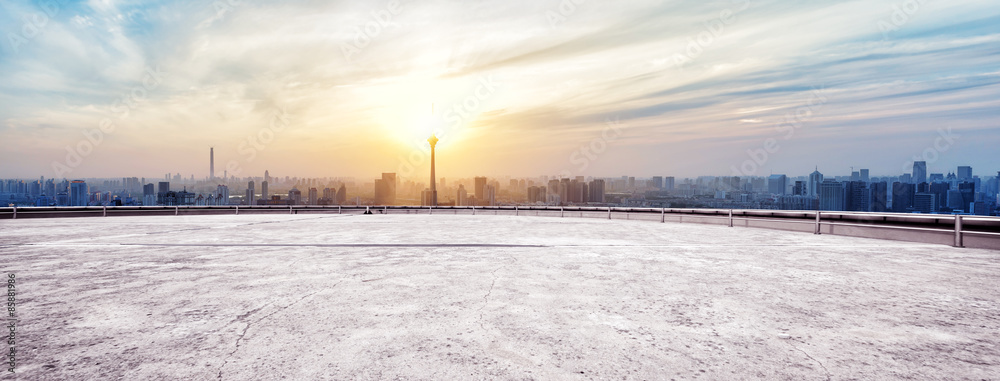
(518, 88)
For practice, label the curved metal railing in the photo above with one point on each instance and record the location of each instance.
(960, 226)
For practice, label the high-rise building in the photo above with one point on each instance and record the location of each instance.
(964, 173)
(480, 184)
(940, 190)
(968, 194)
(879, 197)
(919, 172)
(777, 184)
(222, 197)
(163, 187)
(925, 202)
(596, 191)
(537, 194)
(251, 192)
(902, 197)
(799, 189)
(668, 183)
(211, 163)
(263, 190)
(294, 197)
(657, 182)
(831, 196)
(342, 194)
(865, 175)
(489, 196)
(857, 197)
(79, 193)
(463, 196)
(313, 196)
(385, 189)
(815, 179)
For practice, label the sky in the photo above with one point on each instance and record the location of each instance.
(112, 88)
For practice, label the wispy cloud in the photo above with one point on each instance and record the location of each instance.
(229, 67)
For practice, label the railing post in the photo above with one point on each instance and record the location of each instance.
(237, 210)
(818, 231)
(516, 213)
(609, 212)
(473, 210)
(430, 209)
(177, 210)
(663, 214)
(338, 209)
(958, 231)
(562, 212)
(15, 213)
(104, 210)
(730, 218)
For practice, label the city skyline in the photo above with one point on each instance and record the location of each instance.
(523, 89)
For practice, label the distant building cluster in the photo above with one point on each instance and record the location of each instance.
(916, 192)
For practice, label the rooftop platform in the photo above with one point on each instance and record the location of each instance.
(339, 296)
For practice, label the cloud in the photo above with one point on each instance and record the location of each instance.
(229, 68)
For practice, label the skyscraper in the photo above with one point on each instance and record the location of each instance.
(250, 194)
(925, 202)
(78, 193)
(596, 191)
(831, 196)
(777, 184)
(385, 189)
(668, 183)
(263, 190)
(879, 197)
(313, 196)
(342, 194)
(463, 196)
(489, 196)
(919, 172)
(856, 195)
(223, 195)
(865, 175)
(964, 173)
(211, 163)
(480, 184)
(902, 197)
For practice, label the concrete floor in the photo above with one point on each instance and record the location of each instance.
(489, 297)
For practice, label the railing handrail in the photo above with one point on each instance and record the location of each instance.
(903, 221)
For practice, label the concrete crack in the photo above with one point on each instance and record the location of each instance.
(486, 298)
(827, 371)
(248, 324)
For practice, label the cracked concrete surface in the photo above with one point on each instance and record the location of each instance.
(490, 297)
